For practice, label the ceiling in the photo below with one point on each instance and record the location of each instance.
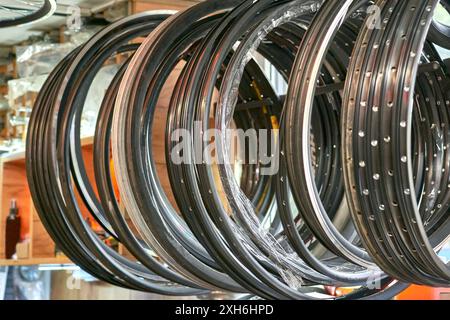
(14, 35)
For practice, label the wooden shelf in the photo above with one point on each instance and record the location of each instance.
(35, 261)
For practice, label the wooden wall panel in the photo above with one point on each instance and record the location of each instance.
(142, 5)
(42, 246)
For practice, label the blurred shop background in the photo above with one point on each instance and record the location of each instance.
(31, 266)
